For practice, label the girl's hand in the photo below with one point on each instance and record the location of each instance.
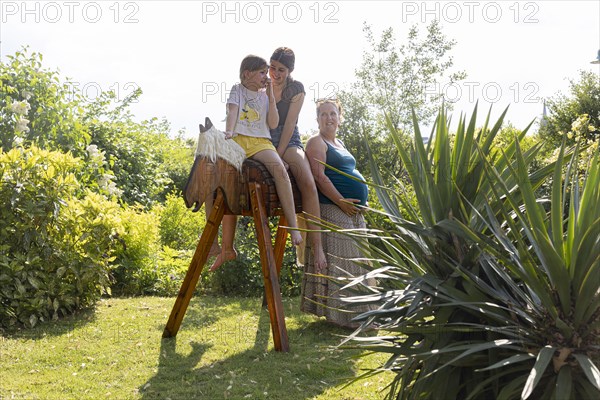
(269, 86)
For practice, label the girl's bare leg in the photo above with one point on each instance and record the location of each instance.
(300, 168)
(227, 252)
(271, 160)
(214, 248)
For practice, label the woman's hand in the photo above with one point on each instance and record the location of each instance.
(348, 206)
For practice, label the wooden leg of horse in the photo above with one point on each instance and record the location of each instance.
(267, 260)
(280, 239)
(198, 260)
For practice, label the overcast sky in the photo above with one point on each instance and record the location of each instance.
(185, 55)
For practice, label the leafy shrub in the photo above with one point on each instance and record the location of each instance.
(54, 248)
(156, 248)
(36, 108)
(87, 230)
(567, 111)
(146, 163)
(171, 268)
(134, 157)
(135, 266)
(177, 157)
(180, 228)
(244, 276)
(180, 231)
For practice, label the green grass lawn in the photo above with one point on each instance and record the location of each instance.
(223, 350)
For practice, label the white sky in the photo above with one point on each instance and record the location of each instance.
(185, 55)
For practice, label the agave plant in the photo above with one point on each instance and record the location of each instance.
(487, 292)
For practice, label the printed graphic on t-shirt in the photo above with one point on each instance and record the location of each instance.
(249, 112)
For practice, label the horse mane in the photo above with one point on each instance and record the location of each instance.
(212, 145)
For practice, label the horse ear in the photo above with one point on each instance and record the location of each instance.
(207, 125)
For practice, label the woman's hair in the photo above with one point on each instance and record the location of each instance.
(335, 102)
(286, 56)
(252, 63)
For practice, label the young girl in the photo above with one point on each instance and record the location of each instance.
(251, 113)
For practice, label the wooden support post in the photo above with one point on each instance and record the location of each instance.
(193, 274)
(267, 258)
(280, 238)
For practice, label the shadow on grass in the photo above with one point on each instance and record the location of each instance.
(311, 367)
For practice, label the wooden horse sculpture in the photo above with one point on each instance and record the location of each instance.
(238, 187)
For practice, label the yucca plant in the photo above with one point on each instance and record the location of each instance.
(482, 286)
(553, 259)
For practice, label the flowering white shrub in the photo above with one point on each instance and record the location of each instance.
(22, 125)
(20, 107)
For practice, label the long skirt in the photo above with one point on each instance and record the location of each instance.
(320, 296)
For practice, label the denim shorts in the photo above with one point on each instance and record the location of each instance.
(294, 140)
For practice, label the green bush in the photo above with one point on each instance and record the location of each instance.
(180, 228)
(568, 112)
(146, 163)
(156, 248)
(180, 231)
(171, 268)
(135, 267)
(243, 276)
(55, 249)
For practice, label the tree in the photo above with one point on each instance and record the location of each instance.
(395, 80)
(147, 164)
(398, 80)
(136, 160)
(583, 105)
(36, 108)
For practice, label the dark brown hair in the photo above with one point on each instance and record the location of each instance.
(286, 56)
